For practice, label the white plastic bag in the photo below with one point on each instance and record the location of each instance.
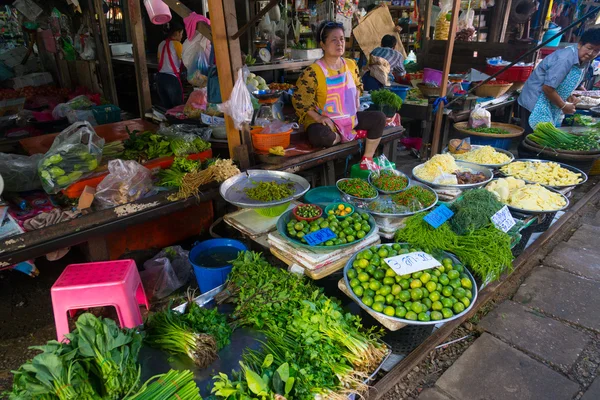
(480, 118)
(239, 106)
(169, 270)
(127, 181)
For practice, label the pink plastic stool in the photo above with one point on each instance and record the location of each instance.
(108, 283)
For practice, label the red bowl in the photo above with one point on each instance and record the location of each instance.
(299, 218)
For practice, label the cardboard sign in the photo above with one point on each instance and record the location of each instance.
(503, 219)
(404, 264)
(320, 236)
(438, 216)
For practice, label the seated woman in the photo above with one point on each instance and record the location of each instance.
(327, 98)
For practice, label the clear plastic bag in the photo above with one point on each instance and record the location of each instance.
(442, 24)
(75, 152)
(185, 131)
(239, 106)
(480, 118)
(126, 181)
(20, 173)
(81, 102)
(279, 127)
(166, 272)
(196, 103)
(195, 56)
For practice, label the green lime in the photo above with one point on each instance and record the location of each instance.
(369, 292)
(363, 276)
(417, 307)
(364, 216)
(447, 291)
(444, 280)
(453, 299)
(424, 317)
(364, 263)
(368, 254)
(359, 291)
(417, 275)
(298, 227)
(365, 285)
(382, 253)
(404, 283)
(350, 238)
(434, 279)
(447, 262)
(376, 260)
(416, 284)
(426, 277)
(360, 234)
(389, 299)
(390, 273)
(441, 269)
(360, 256)
(469, 295)
(354, 283)
(458, 307)
(396, 246)
(425, 292)
(374, 285)
(300, 235)
(437, 305)
(411, 315)
(459, 268)
(460, 293)
(446, 302)
(397, 303)
(439, 288)
(388, 280)
(408, 305)
(378, 306)
(368, 301)
(427, 303)
(416, 294)
(465, 301)
(436, 272)
(379, 299)
(404, 295)
(379, 274)
(371, 269)
(466, 283)
(389, 311)
(455, 283)
(447, 313)
(453, 274)
(396, 289)
(357, 226)
(385, 290)
(435, 296)
(329, 243)
(400, 312)
(436, 316)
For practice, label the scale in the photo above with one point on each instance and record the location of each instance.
(271, 107)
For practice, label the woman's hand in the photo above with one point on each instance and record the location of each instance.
(326, 121)
(568, 108)
(573, 99)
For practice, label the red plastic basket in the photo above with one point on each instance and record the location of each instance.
(294, 212)
(513, 74)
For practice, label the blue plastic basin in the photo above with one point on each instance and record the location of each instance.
(494, 142)
(212, 276)
(400, 90)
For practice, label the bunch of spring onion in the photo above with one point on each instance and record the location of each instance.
(172, 385)
(547, 135)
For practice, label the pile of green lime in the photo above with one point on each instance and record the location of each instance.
(431, 295)
(354, 228)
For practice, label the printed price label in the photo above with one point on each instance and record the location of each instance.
(320, 236)
(503, 219)
(438, 216)
(412, 262)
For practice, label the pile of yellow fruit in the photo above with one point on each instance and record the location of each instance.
(341, 210)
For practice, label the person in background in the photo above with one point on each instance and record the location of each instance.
(327, 98)
(168, 79)
(395, 61)
(394, 57)
(547, 94)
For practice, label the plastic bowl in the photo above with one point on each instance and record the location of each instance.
(323, 194)
(294, 212)
(334, 206)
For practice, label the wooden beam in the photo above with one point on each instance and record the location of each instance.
(427, 22)
(505, 21)
(255, 18)
(225, 63)
(435, 143)
(103, 50)
(183, 11)
(139, 56)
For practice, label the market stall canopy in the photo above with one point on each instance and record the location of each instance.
(373, 27)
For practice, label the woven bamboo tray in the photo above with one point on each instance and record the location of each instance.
(514, 130)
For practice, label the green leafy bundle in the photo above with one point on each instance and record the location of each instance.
(473, 211)
(210, 322)
(173, 176)
(384, 97)
(547, 135)
(172, 385)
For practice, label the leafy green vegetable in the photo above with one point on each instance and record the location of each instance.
(547, 135)
(473, 211)
(384, 97)
(270, 191)
(173, 177)
(178, 385)
(495, 131)
(210, 322)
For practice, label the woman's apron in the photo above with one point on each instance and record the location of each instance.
(340, 105)
(545, 111)
(176, 71)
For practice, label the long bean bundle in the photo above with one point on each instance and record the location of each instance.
(172, 385)
(547, 135)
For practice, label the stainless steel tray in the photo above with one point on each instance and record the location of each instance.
(407, 321)
(388, 199)
(538, 212)
(493, 166)
(396, 172)
(232, 190)
(566, 166)
(353, 199)
(464, 166)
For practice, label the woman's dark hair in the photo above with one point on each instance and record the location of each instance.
(389, 41)
(591, 36)
(326, 27)
(174, 27)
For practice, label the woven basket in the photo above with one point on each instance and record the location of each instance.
(488, 90)
(429, 91)
(264, 141)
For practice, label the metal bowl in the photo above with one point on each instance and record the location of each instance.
(464, 166)
(566, 166)
(396, 172)
(407, 321)
(232, 190)
(493, 166)
(353, 199)
(538, 212)
(287, 216)
(386, 198)
(267, 94)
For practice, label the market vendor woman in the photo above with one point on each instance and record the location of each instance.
(168, 79)
(547, 94)
(327, 98)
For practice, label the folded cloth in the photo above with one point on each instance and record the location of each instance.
(191, 21)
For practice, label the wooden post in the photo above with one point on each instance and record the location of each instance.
(427, 22)
(103, 50)
(435, 143)
(183, 11)
(139, 55)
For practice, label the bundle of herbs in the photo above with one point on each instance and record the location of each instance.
(173, 176)
(473, 211)
(547, 135)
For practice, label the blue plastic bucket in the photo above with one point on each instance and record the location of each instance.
(494, 142)
(212, 276)
(549, 33)
(400, 90)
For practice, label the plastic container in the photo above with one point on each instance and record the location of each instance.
(211, 277)
(549, 33)
(106, 114)
(158, 11)
(465, 86)
(264, 142)
(513, 74)
(401, 91)
(494, 142)
(432, 76)
(334, 206)
(323, 194)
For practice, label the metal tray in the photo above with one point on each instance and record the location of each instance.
(493, 166)
(353, 199)
(407, 321)
(464, 166)
(388, 198)
(232, 190)
(538, 212)
(566, 166)
(287, 216)
(396, 172)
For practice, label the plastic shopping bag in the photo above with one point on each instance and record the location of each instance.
(195, 56)
(20, 173)
(239, 106)
(127, 181)
(196, 103)
(169, 270)
(75, 152)
(480, 118)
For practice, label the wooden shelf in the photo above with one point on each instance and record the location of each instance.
(400, 8)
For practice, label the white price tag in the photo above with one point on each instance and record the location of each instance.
(503, 220)
(405, 264)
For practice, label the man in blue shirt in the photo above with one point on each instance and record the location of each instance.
(547, 93)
